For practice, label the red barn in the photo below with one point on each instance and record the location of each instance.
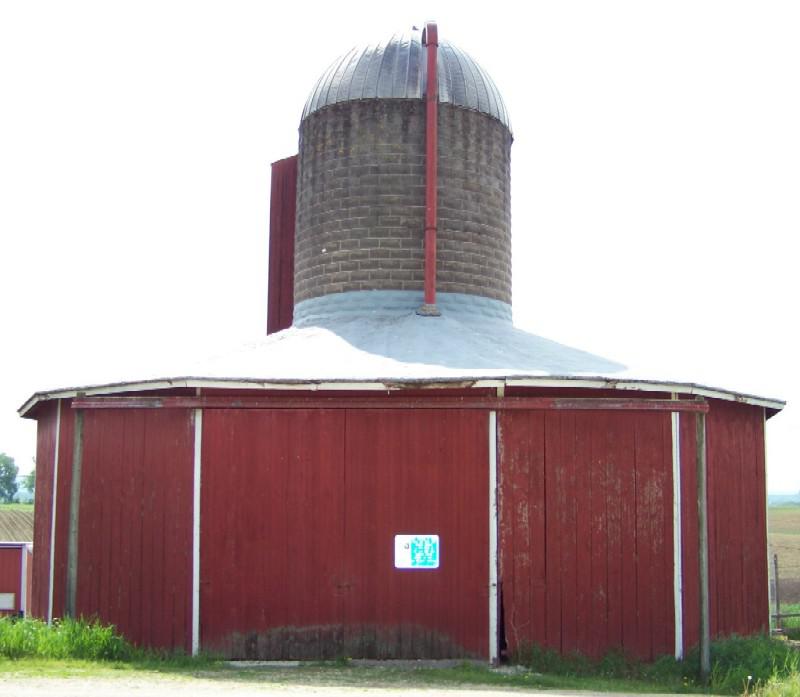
(396, 470)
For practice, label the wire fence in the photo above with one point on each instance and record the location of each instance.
(784, 578)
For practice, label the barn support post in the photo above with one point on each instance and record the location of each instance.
(51, 568)
(198, 440)
(702, 546)
(677, 533)
(494, 644)
(765, 494)
(74, 510)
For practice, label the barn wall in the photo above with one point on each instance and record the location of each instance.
(43, 509)
(326, 491)
(586, 531)
(45, 447)
(271, 532)
(737, 519)
(690, 564)
(135, 526)
(65, 456)
(585, 528)
(413, 472)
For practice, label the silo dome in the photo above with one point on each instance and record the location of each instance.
(396, 69)
(361, 181)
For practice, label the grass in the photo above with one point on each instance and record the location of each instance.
(87, 649)
(16, 506)
(780, 688)
(791, 625)
(737, 665)
(72, 639)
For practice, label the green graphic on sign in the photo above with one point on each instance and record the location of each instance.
(424, 552)
(416, 551)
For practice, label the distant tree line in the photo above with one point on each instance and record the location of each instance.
(8, 479)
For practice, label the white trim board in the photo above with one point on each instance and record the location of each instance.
(388, 384)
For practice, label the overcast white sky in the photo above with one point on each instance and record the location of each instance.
(655, 180)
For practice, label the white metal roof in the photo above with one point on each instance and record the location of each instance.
(375, 340)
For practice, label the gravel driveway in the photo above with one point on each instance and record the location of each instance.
(139, 685)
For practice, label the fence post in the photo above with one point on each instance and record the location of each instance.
(778, 627)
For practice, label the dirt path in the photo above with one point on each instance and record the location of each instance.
(151, 685)
(168, 686)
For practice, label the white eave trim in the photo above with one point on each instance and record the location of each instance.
(387, 384)
(651, 386)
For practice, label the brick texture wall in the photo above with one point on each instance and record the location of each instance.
(361, 200)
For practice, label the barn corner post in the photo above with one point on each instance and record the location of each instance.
(53, 511)
(196, 482)
(677, 532)
(702, 544)
(70, 602)
(494, 640)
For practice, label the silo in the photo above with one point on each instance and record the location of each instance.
(361, 197)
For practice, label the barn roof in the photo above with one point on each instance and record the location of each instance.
(375, 340)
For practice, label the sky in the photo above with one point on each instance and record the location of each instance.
(655, 181)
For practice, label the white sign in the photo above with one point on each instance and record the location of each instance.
(8, 601)
(416, 551)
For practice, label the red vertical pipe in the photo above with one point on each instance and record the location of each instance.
(430, 39)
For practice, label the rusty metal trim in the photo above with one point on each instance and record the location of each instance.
(489, 403)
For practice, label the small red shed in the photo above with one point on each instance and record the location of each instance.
(397, 471)
(15, 578)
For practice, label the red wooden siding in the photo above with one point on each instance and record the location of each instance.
(135, 527)
(586, 531)
(302, 565)
(65, 455)
(411, 472)
(282, 206)
(737, 519)
(689, 551)
(45, 447)
(29, 583)
(45, 450)
(271, 532)
(10, 576)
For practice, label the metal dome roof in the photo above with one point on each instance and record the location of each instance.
(395, 69)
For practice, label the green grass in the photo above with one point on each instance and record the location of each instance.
(789, 687)
(65, 639)
(466, 674)
(737, 665)
(16, 506)
(790, 625)
(71, 648)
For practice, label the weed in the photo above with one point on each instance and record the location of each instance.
(67, 638)
(739, 665)
(775, 687)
